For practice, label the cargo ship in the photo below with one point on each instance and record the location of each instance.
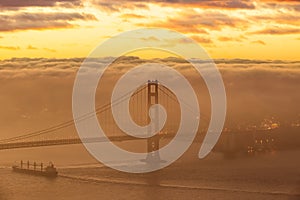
(36, 169)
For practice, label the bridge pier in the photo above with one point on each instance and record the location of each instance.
(229, 146)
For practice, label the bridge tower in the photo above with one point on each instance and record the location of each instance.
(153, 142)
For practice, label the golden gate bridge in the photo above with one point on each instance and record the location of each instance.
(150, 93)
(139, 105)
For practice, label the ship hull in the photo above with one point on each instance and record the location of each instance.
(51, 174)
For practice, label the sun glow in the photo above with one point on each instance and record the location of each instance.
(260, 33)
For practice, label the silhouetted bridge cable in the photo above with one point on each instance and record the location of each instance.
(18, 141)
(172, 97)
(70, 122)
(140, 101)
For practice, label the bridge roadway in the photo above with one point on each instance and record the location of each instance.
(229, 141)
(123, 138)
(56, 142)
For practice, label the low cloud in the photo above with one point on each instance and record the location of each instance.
(255, 89)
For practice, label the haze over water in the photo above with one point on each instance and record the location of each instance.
(266, 176)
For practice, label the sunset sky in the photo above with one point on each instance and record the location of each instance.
(253, 29)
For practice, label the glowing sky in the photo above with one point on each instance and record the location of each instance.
(255, 29)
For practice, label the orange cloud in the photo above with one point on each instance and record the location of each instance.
(280, 1)
(175, 26)
(202, 39)
(280, 18)
(197, 23)
(9, 47)
(230, 39)
(292, 5)
(151, 38)
(39, 21)
(225, 4)
(118, 5)
(278, 31)
(183, 28)
(50, 50)
(38, 3)
(259, 42)
(31, 47)
(131, 15)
